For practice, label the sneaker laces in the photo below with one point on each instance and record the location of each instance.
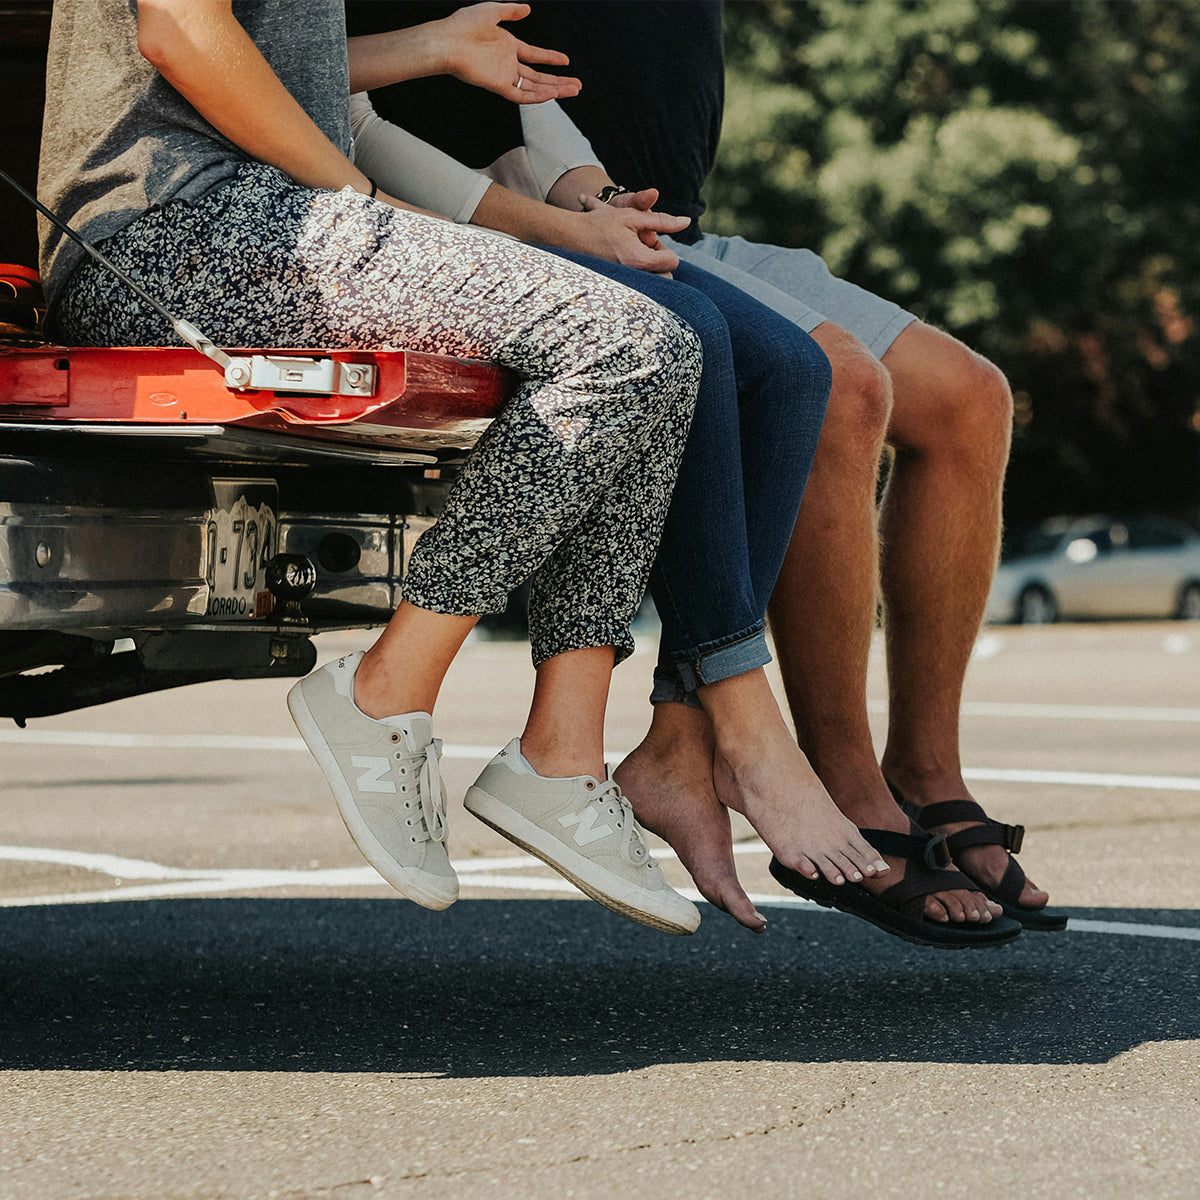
(429, 789)
(632, 846)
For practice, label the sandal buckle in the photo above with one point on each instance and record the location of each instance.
(1014, 836)
(936, 854)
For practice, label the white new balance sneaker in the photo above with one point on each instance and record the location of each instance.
(386, 781)
(586, 831)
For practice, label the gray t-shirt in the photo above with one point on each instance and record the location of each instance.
(118, 140)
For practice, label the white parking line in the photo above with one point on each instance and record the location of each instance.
(476, 873)
(478, 753)
(1068, 712)
(1093, 779)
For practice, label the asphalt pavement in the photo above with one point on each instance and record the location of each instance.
(206, 993)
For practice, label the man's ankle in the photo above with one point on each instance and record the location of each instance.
(924, 783)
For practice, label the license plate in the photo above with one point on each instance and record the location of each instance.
(242, 535)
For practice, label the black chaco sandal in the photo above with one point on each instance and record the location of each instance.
(987, 833)
(900, 909)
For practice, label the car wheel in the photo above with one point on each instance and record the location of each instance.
(1036, 606)
(1189, 602)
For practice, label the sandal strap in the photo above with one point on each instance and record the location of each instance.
(947, 812)
(928, 849)
(929, 870)
(1011, 886)
(918, 884)
(987, 833)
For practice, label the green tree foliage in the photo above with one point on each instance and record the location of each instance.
(1023, 173)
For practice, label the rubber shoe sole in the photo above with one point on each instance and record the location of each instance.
(625, 899)
(420, 887)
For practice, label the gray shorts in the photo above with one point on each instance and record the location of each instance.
(798, 285)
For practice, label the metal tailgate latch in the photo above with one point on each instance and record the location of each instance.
(319, 376)
(278, 373)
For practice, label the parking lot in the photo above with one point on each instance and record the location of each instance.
(207, 993)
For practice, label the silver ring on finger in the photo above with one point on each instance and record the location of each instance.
(520, 82)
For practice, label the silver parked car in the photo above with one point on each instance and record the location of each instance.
(1092, 567)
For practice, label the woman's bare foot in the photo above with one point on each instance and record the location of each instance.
(668, 780)
(759, 771)
(771, 784)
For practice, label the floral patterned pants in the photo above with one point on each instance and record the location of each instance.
(570, 484)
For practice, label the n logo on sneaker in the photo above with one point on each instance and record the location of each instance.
(373, 771)
(588, 830)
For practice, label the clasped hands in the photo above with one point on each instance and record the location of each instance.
(633, 230)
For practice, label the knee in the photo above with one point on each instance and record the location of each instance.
(976, 411)
(800, 368)
(860, 403)
(994, 403)
(698, 313)
(675, 361)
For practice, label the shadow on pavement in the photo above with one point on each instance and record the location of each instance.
(530, 987)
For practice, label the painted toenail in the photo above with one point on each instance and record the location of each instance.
(857, 876)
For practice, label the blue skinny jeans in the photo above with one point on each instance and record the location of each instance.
(758, 417)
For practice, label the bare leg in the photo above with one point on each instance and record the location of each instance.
(403, 671)
(669, 782)
(940, 523)
(823, 608)
(564, 735)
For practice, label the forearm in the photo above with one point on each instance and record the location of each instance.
(206, 55)
(380, 59)
(625, 236)
(421, 173)
(579, 181)
(556, 146)
(407, 167)
(531, 220)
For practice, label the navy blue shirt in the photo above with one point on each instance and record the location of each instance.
(653, 75)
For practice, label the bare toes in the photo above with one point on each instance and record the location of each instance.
(726, 893)
(846, 866)
(742, 910)
(800, 863)
(830, 869)
(864, 857)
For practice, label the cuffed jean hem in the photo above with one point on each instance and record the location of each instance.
(678, 684)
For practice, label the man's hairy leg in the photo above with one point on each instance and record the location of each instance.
(823, 609)
(940, 523)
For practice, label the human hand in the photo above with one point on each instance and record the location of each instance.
(646, 199)
(633, 211)
(628, 234)
(482, 54)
